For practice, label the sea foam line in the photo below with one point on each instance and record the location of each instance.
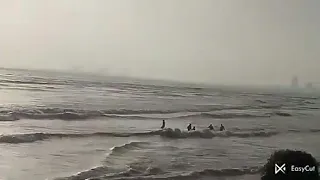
(167, 133)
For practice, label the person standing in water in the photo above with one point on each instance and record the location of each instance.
(222, 128)
(163, 124)
(210, 127)
(189, 127)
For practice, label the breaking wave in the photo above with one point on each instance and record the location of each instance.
(127, 146)
(201, 174)
(72, 114)
(194, 115)
(33, 137)
(48, 114)
(101, 173)
(167, 133)
(223, 116)
(91, 173)
(177, 133)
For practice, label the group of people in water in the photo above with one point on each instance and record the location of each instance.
(189, 127)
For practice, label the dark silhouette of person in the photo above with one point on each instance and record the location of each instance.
(288, 159)
(163, 124)
(194, 128)
(222, 128)
(210, 127)
(189, 127)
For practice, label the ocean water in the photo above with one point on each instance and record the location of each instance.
(69, 127)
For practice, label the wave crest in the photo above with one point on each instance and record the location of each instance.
(33, 137)
(177, 133)
(167, 133)
(158, 174)
(223, 116)
(226, 172)
(23, 138)
(76, 114)
(126, 147)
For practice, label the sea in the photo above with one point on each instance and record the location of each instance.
(64, 126)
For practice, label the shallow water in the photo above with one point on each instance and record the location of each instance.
(59, 126)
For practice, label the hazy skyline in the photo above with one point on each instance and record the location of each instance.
(213, 41)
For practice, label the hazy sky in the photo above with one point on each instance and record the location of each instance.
(215, 41)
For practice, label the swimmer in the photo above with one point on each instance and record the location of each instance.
(194, 128)
(163, 124)
(222, 128)
(210, 127)
(189, 127)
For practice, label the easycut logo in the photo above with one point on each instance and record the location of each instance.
(307, 168)
(281, 169)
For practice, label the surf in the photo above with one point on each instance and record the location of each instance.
(103, 173)
(166, 133)
(143, 114)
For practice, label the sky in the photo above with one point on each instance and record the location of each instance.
(207, 41)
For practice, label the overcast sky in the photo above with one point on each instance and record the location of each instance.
(215, 41)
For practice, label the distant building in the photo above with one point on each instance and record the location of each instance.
(295, 82)
(309, 85)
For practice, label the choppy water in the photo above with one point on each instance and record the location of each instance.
(59, 126)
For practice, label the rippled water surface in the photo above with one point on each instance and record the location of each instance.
(62, 126)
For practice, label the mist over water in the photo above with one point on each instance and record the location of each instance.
(215, 42)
